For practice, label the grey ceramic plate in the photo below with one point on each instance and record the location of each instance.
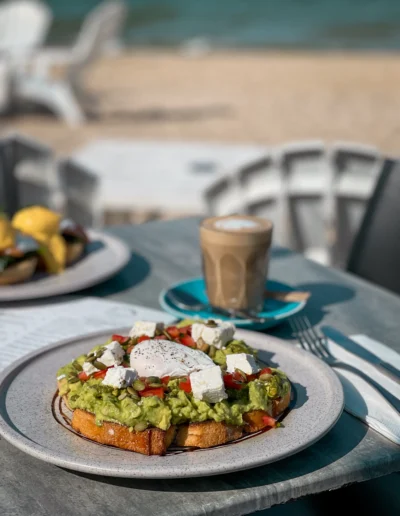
(26, 419)
(104, 257)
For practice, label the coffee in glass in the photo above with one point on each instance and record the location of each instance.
(235, 253)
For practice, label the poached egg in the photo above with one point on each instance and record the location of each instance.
(166, 358)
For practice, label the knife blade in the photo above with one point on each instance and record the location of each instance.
(353, 347)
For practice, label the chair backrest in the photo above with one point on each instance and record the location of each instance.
(9, 198)
(100, 27)
(375, 254)
(307, 189)
(81, 190)
(5, 85)
(23, 25)
(357, 169)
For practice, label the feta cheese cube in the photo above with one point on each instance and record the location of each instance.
(120, 377)
(145, 328)
(89, 368)
(208, 385)
(246, 363)
(218, 336)
(113, 354)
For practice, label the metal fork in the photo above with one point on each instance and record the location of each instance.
(316, 343)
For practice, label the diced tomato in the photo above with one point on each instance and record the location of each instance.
(233, 380)
(269, 421)
(157, 391)
(251, 377)
(165, 380)
(187, 341)
(159, 337)
(266, 370)
(129, 349)
(101, 374)
(185, 330)
(185, 385)
(120, 338)
(173, 331)
(143, 337)
(83, 376)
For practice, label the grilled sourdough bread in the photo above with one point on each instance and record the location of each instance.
(117, 405)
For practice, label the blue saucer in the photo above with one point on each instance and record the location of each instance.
(275, 311)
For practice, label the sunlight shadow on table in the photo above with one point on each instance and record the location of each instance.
(134, 272)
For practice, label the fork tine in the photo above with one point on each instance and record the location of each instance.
(312, 340)
(297, 333)
(319, 340)
(302, 334)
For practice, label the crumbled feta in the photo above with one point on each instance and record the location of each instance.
(208, 385)
(218, 336)
(113, 354)
(61, 376)
(145, 328)
(119, 377)
(89, 368)
(242, 361)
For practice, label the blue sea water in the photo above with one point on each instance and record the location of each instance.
(317, 24)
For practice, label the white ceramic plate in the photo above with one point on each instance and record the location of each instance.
(26, 420)
(104, 257)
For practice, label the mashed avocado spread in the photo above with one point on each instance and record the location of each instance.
(177, 406)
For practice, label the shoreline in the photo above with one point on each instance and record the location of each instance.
(258, 96)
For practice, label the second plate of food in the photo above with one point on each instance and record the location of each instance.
(104, 256)
(33, 418)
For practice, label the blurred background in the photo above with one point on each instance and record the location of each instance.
(168, 108)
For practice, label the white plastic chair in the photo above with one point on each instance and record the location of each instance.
(81, 190)
(314, 194)
(28, 175)
(357, 169)
(67, 97)
(24, 26)
(5, 85)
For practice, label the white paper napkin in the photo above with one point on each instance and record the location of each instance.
(23, 330)
(361, 399)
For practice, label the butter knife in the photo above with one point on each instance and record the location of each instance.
(353, 347)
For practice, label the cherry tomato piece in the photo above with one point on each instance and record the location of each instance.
(143, 337)
(185, 385)
(101, 374)
(165, 380)
(120, 338)
(157, 391)
(233, 381)
(187, 341)
(251, 377)
(173, 331)
(269, 421)
(83, 377)
(266, 370)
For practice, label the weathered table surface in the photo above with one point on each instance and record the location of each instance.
(165, 252)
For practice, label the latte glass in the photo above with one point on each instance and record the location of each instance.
(235, 254)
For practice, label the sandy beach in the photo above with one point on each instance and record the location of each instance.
(262, 97)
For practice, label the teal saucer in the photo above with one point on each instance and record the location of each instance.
(274, 311)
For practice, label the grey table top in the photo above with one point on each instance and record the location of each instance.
(165, 252)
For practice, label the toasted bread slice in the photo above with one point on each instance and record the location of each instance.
(152, 441)
(74, 251)
(207, 434)
(254, 420)
(19, 272)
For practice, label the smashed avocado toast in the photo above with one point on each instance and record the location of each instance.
(193, 385)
